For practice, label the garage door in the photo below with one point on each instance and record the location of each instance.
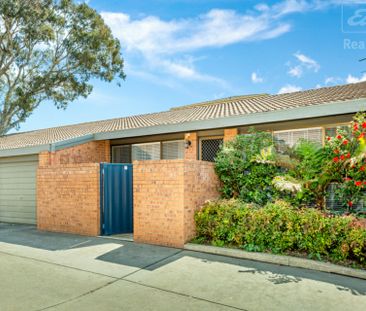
(18, 189)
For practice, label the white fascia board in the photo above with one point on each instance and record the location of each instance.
(24, 151)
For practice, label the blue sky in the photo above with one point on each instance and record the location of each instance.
(186, 51)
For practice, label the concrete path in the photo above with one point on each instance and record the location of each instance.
(49, 271)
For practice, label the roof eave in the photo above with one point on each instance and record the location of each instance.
(314, 111)
(47, 147)
(24, 151)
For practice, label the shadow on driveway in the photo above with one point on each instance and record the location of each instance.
(28, 235)
(151, 257)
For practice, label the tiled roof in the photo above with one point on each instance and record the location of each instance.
(227, 107)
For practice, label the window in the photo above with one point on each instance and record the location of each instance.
(149, 151)
(167, 150)
(290, 138)
(209, 148)
(173, 149)
(121, 154)
(332, 130)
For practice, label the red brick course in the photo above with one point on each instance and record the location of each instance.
(191, 153)
(68, 188)
(166, 195)
(229, 134)
(200, 184)
(91, 152)
(68, 198)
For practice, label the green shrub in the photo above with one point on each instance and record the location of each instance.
(347, 151)
(246, 169)
(279, 228)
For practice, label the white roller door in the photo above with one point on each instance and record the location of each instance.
(18, 189)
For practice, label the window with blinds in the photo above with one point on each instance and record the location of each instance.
(209, 148)
(290, 138)
(121, 154)
(149, 151)
(173, 150)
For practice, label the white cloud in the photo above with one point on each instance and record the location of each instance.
(303, 63)
(307, 61)
(216, 28)
(157, 44)
(161, 43)
(295, 71)
(256, 78)
(352, 79)
(333, 80)
(329, 80)
(289, 89)
(293, 6)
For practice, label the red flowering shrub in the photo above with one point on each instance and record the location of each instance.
(347, 167)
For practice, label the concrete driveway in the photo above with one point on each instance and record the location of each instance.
(49, 271)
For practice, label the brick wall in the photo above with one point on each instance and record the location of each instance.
(68, 198)
(68, 188)
(166, 195)
(91, 152)
(200, 184)
(191, 153)
(230, 134)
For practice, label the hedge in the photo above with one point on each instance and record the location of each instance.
(281, 228)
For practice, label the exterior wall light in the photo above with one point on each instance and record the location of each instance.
(187, 144)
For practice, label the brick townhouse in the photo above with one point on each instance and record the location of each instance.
(52, 177)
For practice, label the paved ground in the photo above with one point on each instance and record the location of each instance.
(48, 271)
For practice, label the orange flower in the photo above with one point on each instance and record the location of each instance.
(336, 151)
(345, 142)
(362, 168)
(339, 136)
(348, 155)
(350, 203)
(328, 138)
(335, 159)
(364, 125)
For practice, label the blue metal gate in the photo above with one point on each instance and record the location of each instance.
(116, 198)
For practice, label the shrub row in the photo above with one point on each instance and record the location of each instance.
(280, 228)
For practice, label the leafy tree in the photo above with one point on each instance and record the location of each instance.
(50, 50)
